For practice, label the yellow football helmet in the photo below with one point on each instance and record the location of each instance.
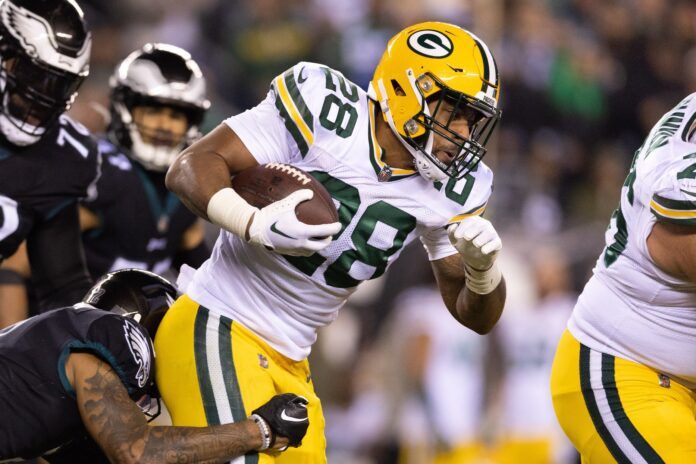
(440, 62)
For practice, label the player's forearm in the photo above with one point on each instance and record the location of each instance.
(198, 444)
(119, 427)
(480, 313)
(475, 311)
(195, 177)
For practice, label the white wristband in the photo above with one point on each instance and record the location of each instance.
(483, 282)
(230, 211)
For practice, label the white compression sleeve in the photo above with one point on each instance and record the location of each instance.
(230, 211)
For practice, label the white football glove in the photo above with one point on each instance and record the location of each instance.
(276, 227)
(479, 244)
(477, 241)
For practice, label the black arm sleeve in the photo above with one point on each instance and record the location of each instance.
(58, 268)
(193, 257)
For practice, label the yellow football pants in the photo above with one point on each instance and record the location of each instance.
(614, 410)
(211, 370)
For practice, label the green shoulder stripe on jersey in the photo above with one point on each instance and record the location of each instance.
(675, 211)
(385, 173)
(667, 127)
(674, 205)
(689, 128)
(613, 251)
(617, 411)
(292, 128)
(298, 100)
(293, 109)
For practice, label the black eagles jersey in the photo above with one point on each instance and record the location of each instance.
(142, 224)
(38, 408)
(39, 180)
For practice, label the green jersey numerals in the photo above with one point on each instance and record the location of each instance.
(690, 171)
(458, 190)
(337, 273)
(614, 250)
(336, 114)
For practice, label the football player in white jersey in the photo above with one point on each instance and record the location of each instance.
(624, 377)
(401, 161)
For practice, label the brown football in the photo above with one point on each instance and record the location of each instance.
(267, 183)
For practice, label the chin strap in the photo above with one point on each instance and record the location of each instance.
(425, 167)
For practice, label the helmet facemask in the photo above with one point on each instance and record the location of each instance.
(426, 70)
(467, 151)
(44, 58)
(153, 147)
(34, 95)
(158, 76)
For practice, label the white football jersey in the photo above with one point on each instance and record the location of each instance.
(317, 120)
(630, 308)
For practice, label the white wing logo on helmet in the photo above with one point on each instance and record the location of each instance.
(430, 43)
(139, 346)
(37, 38)
(23, 24)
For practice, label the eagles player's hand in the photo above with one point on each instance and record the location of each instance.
(277, 228)
(286, 415)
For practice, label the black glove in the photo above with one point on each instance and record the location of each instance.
(286, 415)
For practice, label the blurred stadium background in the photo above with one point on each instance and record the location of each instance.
(582, 83)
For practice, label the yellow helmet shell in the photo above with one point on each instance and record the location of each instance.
(425, 58)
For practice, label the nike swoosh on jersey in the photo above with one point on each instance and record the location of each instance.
(285, 417)
(275, 229)
(691, 194)
(301, 78)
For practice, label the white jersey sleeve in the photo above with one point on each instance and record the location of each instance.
(281, 128)
(308, 105)
(262, 131)
(674, 196)
(436, 241)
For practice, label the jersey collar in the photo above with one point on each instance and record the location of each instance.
(385, 173)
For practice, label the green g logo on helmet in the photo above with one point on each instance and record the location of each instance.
(432, 44)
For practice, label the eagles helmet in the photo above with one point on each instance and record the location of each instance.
(438, 62)
(44, 57)
(135, 293)
(143, 296)
(156, 75)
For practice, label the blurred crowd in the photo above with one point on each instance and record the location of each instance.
(582, 83)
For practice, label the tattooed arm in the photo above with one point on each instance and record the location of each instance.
(120, 428)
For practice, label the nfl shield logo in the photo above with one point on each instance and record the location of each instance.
(263, 361)
(385, 174)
